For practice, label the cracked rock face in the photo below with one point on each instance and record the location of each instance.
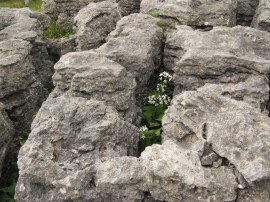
(90, 75)
(94, 22)
(245, 11)
(6, 134)
(224, 55)
(25, 68)
(193, 13)
(261, 19)
(136, 44)
(68, 135)
(169, 173)
(231, 127)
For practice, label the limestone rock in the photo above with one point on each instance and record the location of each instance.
(21, 90)
(262, 18)
(90, 75)
(193, 13)
(128, 7)
(94, 22)
(168, 173)
(69, 134)
(135, 44)
(236, 130)
(253, 91)
(61, 46)
(245, 11)
(6, 134)
(64, 10)
(223, 55)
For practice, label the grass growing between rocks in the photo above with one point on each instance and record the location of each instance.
(34, 5)
(158, 101)
(54, 32)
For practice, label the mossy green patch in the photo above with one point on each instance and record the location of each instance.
(53, 31)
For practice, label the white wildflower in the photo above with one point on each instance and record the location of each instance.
(143, 128)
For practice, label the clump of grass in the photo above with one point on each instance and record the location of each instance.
(54, 32)
(154, 14)
(160, 23)
(12, 3)
(34, 5)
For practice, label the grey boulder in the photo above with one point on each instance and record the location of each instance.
(222, 55)
(136, 44)
(234, 129)
(94, 22)
(192, 13)
(91, 75)
(261, 19)
(69, 135)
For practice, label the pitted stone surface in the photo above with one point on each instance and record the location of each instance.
(94, 22)
(69, 134)
(193, 13)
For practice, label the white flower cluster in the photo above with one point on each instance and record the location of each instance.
(159, 100)
(141, 130)
(165, 77)
(161, 87)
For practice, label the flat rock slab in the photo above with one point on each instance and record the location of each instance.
(235, 130)
(168, 173)
(193, 13)
(222, 55)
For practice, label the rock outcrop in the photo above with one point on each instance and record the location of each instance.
(93, 24)
(215, 133)
(197, 13)
(262, 18)
(222, 55)
(25, 73)
(245, 11)
(25, 66)
(68, 136)
(136, 44)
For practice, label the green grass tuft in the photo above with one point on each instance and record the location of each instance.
(35, 5)
(159, 23)
(154, 14)
(54, 32)
(12, 3)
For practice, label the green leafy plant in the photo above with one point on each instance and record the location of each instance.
(153, 112)
(53, 31)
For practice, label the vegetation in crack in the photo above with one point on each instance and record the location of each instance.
(12, 172)
(158, 101)
(34, 5)
(54, 32)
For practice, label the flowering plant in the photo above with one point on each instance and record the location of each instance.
(153, 112)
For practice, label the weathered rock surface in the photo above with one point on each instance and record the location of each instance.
(69, 134)
(136, 44)
(6, 134)
(128, 7)
(193, 13)
(262, 18)
(94, 22)
(90, 75)
(231, 127)
(25, 68)
(167, 173)
(64, 10)
(245, 11)
(222, 55)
